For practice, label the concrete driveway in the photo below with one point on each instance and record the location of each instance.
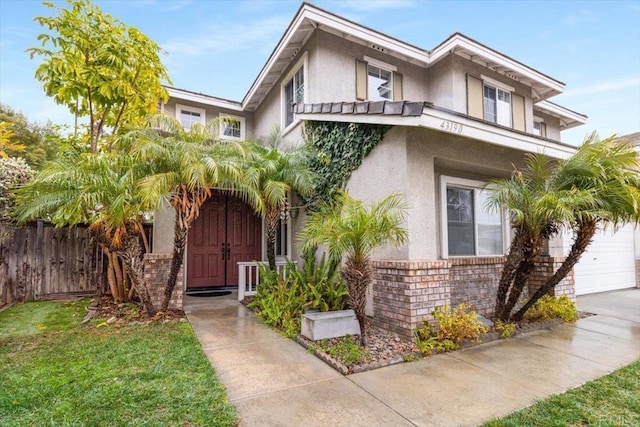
(272, 381)
(623, 304)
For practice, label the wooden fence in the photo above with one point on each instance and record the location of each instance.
(39, 261)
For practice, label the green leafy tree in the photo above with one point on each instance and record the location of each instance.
(34, 142)
(14, 172)
(98, 67)
(100, 190)
(351, 231)
(275, 173)
(186, 165)
(598, 186)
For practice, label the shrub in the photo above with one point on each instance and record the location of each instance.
(505, 329)
(280, 301)
(345, 351)
(549, 307)
(13, 173)
(451, 328)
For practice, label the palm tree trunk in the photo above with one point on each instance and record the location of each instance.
(272, 220)
(357, 274)
(584, 236)
(131, 255)
(179, 243)
(511, 264)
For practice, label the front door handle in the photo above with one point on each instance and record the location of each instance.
(226, 251)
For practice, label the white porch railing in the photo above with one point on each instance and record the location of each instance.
(249, 276)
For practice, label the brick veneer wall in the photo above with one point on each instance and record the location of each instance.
(156, 273)
(474, 281)
(405, 293)
(545, 267)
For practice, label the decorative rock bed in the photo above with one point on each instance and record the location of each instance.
(386, 348)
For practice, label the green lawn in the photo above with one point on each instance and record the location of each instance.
(613, 400)
(54, 371)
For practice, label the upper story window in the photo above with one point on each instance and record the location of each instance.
(188, 115)
(539, 127)
(495, 102)
(232, 127)
(497, 105)
(469, 229)
(293, 90)
(377, 81)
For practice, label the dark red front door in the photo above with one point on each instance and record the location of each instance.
(226, 232)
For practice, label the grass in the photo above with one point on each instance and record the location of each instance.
(613, 400)
(54, 371)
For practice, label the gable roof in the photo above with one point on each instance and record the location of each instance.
(568, 118)
(309, 18)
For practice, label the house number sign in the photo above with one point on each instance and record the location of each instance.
(453, 127)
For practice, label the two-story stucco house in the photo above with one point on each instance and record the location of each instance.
(461, 113)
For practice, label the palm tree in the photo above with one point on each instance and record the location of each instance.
(350, 229)
(187, 164)
(99, 190)
(536, 213)
(605, 172)
(275, 173)
(595, 187)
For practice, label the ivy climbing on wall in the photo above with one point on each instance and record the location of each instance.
(341, 148)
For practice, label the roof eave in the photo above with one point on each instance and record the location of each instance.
(568, 118)
(544, 85)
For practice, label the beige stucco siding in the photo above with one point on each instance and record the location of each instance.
(334, 70)
(211, 112)
(410, 161)
(440, 84)
(331, 77)
(384, 172)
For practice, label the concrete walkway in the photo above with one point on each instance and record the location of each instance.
(272, 381)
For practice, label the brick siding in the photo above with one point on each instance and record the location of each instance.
(474, 281)
(545, 267)
(156, 273)
(405, 293)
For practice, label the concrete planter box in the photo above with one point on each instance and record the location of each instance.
(330, 324)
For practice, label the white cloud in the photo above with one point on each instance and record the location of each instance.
(602, 87)
(371, 5)
(226, 38)
(579, 17)
(165, 5)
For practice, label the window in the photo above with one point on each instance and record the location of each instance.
(469, 229)
(497, 105)
(282, 238)
(539, 127)
(231, 127)
(293, 92)
(188, 115)
(379, 83)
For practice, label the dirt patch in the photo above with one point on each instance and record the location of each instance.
(123, 313)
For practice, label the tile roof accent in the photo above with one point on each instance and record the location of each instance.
(390, 108)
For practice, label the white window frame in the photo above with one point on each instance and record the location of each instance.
(496, 85)
(536, 119)
(201, 111)
(302, 62)
(242, 136)
(476, 186)
(392, 69)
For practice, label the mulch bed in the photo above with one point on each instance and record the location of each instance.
(386, 348)
(128, 313)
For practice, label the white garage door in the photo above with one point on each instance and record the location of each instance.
(608, 264)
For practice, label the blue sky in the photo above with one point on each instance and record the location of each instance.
(218, 47)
